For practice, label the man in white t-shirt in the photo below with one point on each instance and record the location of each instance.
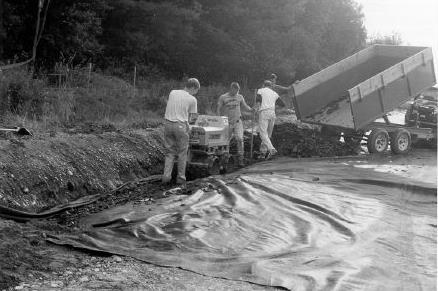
(265, 103)
(181, 108)
(277, 88)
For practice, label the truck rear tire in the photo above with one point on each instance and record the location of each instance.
(401, 141)
(378, 141)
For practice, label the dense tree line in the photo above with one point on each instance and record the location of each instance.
(214, 40)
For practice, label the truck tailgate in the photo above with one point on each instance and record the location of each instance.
(357, 90)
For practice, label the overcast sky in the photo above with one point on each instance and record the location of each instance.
(415, 20)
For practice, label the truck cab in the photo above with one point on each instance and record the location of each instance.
(422, 112)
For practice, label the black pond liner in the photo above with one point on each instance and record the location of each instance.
(352, 228)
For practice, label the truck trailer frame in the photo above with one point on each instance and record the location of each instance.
(351, 94)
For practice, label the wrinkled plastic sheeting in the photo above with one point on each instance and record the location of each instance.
(348, 229)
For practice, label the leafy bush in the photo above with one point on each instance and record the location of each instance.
(21, 94)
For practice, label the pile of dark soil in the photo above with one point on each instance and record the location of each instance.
(294, 139)
(291, 140)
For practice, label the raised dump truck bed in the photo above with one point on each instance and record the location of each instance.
(365, 86)
(352, 93)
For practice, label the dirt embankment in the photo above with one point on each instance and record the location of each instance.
(44, 171)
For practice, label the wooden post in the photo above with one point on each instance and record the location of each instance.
(89, 75)
(135, 78)
(37, 32)
(252, 127)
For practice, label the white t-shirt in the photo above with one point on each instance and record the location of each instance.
(269, 97)
(179, 105)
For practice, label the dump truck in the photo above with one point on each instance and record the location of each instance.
(350, 95)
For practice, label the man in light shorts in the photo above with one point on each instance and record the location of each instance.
(230, 104)
(181, 108)
(265, 103)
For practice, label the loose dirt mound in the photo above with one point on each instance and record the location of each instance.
(291, 140)
(45, 171)
(295, 139)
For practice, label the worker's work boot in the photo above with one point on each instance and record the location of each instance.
(270, 154)
(262, 155)
(181, 182)
(241, 162)
(166, 180)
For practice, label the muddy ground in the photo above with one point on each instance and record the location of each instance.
(45, 171)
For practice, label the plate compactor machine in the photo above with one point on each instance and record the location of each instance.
(209, 147)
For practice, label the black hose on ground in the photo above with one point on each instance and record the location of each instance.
(24, 216)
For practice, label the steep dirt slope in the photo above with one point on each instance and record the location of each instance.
(44, 171)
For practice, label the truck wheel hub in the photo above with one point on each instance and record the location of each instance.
(381, 142)
(403, 142)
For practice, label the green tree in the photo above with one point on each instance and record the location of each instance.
(71, 29)
(2, 30)
(391, 39)
(328, 32)
(218, 41)
(245, 39)
(149, 32)
(294, 38)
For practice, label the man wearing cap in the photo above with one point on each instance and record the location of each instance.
(230, 104)
(277, 88)
(181, 109)
(265, 104)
